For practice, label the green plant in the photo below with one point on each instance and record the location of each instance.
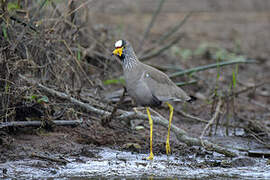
(184, 53)
(39, 99)
(4, 30)
(79, 56)
(11, 6)
(119, 80)
(234, 76)
(217, 78)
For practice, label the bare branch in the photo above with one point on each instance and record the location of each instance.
(58, 160)
(211, 122)
(150, 25)
(157, 52)
(65, 96)
(209, 66)
(167, 34)
(39, 123)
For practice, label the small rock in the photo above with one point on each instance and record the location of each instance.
(137, 128)
(132, 146)
(87, 153)
(243, 162)
(4, 171)
(200, 96)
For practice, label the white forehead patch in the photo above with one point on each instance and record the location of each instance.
(118, 43)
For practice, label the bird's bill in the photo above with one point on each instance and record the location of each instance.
(118, 51)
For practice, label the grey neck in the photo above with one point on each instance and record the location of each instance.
(130, 60)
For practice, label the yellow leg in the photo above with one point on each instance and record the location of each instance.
(168, 148)
(151, 156)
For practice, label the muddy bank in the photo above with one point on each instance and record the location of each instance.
(67, 153)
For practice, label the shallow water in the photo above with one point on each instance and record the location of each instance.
(113, 164)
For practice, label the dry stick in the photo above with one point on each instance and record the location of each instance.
(40, 123)
(78, 63)
(225, 96)
(248, 88)
(32, 19)
(175, 29)
(150, 25)
(65, 96)
(186, 83)
(260, 126)
(6, 80)
(202, 120)
(257, 138)
(192, 117)
(209, 66)
(72, 7)
(157, 52)
(79, 7)
(169, 33)
(69, 13)
(211, 122)
(256, 103)
(59, 14)
(107, 119)
(23, 23)
(63, 161)
(127, 116)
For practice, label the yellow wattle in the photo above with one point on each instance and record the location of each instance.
(118, 51)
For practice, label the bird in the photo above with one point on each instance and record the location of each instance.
(148, 86)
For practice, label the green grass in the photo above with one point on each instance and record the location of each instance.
(119, 80)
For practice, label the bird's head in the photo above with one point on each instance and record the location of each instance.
(120, 50)
(124, 51)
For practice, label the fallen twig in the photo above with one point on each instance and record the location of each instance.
(23, 23)
(39, 123)
(211, 122)
(192, 117)
(127, 116)
(248, 88)
(65, 96)
(209, 66)
(78, 63)
(72, 7)
(150, 25)
(157, 52)
(107, 119)
(259, 104)
(62, 161)
(167, 34)
(186, 83)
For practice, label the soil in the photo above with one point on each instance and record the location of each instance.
(222, 26)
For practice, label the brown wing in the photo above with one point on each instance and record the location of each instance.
(162, 86)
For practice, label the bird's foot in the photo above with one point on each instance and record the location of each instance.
(151, 156)
(168, 148)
